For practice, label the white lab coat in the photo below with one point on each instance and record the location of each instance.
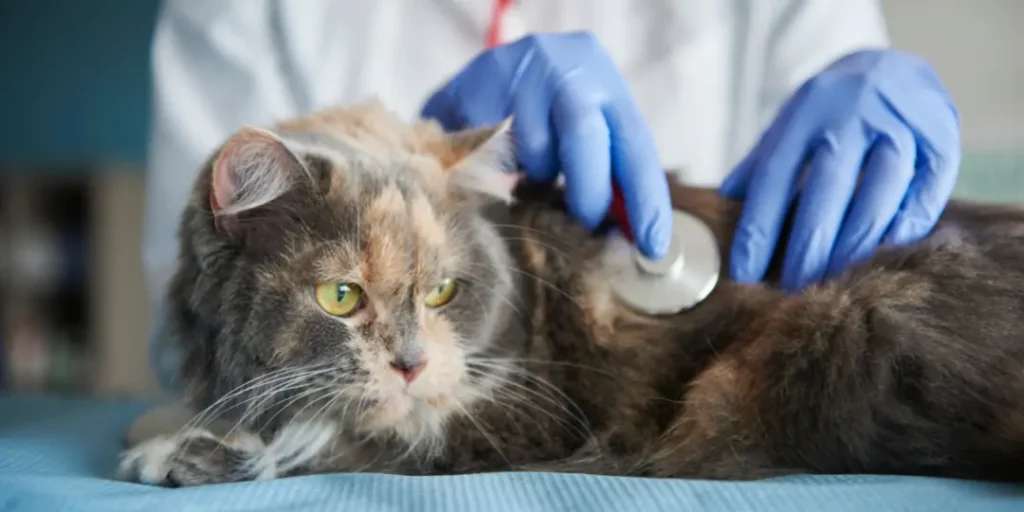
(709, 75)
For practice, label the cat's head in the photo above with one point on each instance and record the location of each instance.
(343, 256)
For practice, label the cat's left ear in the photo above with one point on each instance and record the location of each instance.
(482, 160)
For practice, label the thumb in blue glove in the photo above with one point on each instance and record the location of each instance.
(573, 113)
(883, 141)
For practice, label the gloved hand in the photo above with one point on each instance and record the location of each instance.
(573, 112)
(881, 111)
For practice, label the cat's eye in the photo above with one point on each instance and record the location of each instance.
(441, 294)
(339, 299)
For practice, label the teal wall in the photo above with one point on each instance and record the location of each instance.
(75, 84)
(992, 176)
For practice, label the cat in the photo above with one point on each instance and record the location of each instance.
(357, 293)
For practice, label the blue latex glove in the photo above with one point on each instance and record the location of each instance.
(881, 111)
(573, 112)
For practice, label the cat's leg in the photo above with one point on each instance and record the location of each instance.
(198, 456)
(713, 439)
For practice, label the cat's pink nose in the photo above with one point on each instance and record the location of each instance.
(410, 369)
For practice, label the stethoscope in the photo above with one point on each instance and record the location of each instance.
(679, 281)
(682, 279)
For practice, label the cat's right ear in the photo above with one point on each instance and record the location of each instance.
(483, 160)
(252, 171)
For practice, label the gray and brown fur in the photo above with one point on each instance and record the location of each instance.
(909, 363)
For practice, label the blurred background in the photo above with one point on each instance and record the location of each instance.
(73, 128)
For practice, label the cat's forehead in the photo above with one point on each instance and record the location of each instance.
(397, 230)
(362, 167)
(368, 144)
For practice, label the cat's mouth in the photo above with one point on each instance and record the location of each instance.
(402, 410)
(391, 403)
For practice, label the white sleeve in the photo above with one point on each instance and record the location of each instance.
(216, 66)
(805, 36)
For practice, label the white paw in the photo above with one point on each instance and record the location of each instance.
(191, 457)
(148, 461)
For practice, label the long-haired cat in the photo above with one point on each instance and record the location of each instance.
(359, 294)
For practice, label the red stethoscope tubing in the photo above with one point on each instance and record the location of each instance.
(618, 206)
(497, 14)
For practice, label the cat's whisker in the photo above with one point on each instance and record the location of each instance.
(484, 307)
(550, 285)
(336, 396)
(568, 364)
(343, 417)
(507, 301)
(253, 405)
(490, 397)
(361, 409)
(290, 402)
(542, 281)
(484, 432)
(483, 284)
(543, 244)
(523, 228)
(479, 300)
(518, 370)
(380, 451)
(242, 388)
(508, 394)
(583, 429)
(270, 378)
(297, 382)
(568, 402)
(291, 460)
(410, 449)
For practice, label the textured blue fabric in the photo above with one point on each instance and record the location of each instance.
(58, 454)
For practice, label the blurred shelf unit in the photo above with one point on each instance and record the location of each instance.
(44, 287)
(74, 314)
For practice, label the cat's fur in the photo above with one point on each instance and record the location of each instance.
(910, 363)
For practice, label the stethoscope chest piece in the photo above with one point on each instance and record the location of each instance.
(679, 281)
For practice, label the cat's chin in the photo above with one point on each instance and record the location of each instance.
(409, 417)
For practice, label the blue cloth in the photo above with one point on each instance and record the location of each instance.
(58, 454)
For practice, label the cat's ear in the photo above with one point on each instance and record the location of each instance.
(483, 160)
(258, 188)
(252, 169)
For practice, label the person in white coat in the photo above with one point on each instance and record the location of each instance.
(744, 94)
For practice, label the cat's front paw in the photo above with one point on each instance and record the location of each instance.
(194, 457)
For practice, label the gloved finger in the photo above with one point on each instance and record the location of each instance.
(768, 198)
(583, 150)
(533, 128)
(887, 174)
(927, 196)
(638, 171)
(831, 181)
(442, 108)
(737, 183)
(927, 108)
(734, 186)
(473, 98)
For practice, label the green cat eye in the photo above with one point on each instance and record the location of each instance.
(339, 299)
(441, 294)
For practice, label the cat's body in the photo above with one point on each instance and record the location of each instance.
(912, 362)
